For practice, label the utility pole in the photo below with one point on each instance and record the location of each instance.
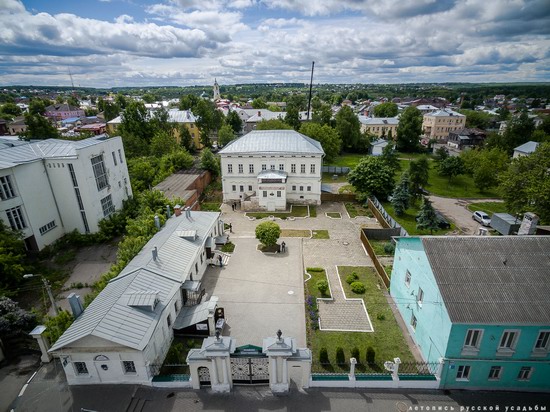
(48, 289)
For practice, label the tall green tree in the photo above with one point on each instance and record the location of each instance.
(387, 109)
(188, 102)
(136, 130)
(390, 157)
(225, 135)
(14, 321)
(273, 124)
(259, 103)
(292, 117)
(525, 186)
(409, 130)
(401, 196)
(348, 127)
(209, 162)
(233, 119)
(12, 259)
(11, 109)
(372, 177)
(163, 143)
(451, 167)
(323, 115)
(419, 170)
(39, 128)
(477, 119)
(38, 106)
(426, 219)
(326, 135)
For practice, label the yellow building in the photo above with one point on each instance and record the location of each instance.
(438, 124)
(384, 127)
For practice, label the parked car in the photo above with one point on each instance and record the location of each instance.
(441, 221)
(482, 218)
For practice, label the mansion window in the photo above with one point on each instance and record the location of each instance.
(100, 172)
(114, 158)
(46, 228)
(312, 168)
(250, 188)
(229, 168)
(120, 156)
(107, 205)
(272, 167)
(6, 188)
(301, 188)
(309, 188)
(241, 168)
(264, 194)
(420, 297)
(293, 188)
(234, 188)
(281, 167)
(278, 193)
(15, 217)
(241, 188)
(264, 168)
(302, 168)
(463, 372)
(251, 168)
(292, 168)
(494, 373)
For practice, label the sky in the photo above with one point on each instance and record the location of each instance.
(113, 43)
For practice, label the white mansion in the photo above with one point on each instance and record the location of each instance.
(268, 168)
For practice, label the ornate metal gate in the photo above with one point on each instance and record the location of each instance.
(250, 370)
(204, 376)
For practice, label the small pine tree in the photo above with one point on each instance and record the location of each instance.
(323, 356)
(426, 218)
(355, 354)
(401, 195)
(371, 354)
(340, 356)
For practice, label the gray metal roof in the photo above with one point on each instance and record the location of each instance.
(378, 121)
(181, 116)
(528, 147)
(192, 315)
(274, 141)
(445, 113)
(492, 279)
(111, 317)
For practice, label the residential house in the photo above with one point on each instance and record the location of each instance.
(63, 111)
(383, 127)
(479, 305)
(17, 126)
(123, 336)
(377, 147)
(52, 187)
(466, 138)
(251, 122)
(525, 149)
(266, 169)
(438, 124)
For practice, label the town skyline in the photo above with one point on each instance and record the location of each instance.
(144, 43)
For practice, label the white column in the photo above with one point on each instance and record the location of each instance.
(285, 371)
(224, 371)
(352, 363)
(273, 370)
(214, 373)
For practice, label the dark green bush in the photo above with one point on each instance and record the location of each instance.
(323, 356)
(355, 354)
(389, 248)
(358, 287)
(322, 285)
(371, 354)
(351, 278)
(340, 356)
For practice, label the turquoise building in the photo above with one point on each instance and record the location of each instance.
(480, 305)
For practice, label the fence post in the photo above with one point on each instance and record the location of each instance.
(395, 372)
(440, 368)
(352, 363)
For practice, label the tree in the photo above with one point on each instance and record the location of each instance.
(525, 186)
(234, 120)
(441, 154)
(38, 106)
(149, 98)
(372, 177)
(12, 109)
(322, 114)
(209, 162)
(163, 143)
(409, 130)
(292, 118)
(38, 127)
(326, 135)
(518, 131)
(14, 321)
(259, 103)
(348, 127)
(73, 101)
(121, 101)
(110, 110)
(418, 173)
(476, 119)
(485, 166)
(225, 135)
(273, 124)
(390, 157)
(12, 258)
(186, 140)
(268, 233)
(401, 195)
(187, 102)
(426, 219)
(450, 167)
(142, 173)
(387, 109)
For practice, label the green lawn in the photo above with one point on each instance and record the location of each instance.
(295, 233)
(488, 207)
(387, 339)
(334, 215)
(356, 209)
(346, 160)
(411, 156)
(329, 178)
(296, 211)
(317, 274)
(408, 221)
(460, 186)
(347, 189)
(320, 234)
(378, 246)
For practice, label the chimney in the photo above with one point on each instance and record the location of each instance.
(157, 222)
(155, 253)
(188, 212)
(76, 305)
(168, 211)
(177, 210)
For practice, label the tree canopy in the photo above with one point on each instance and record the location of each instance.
(387, 109)
(209, 162)
(273, 124)
(373, 177)
(225, 135)
(39, 128)
(348, 127)
(409, 130)
(233, 119)
(419, 170)
(326, 135)
(268, 233)
(426, 219)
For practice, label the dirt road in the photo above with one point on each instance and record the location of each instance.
(456, 210)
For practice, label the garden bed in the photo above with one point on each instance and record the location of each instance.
(295, 211)
(320, 234)
(295, 233)
(334, 215)
(356, 209)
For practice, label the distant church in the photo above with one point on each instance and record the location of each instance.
(216, 91)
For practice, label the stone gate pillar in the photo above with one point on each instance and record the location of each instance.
(214, 354)
(278, 350)
(38, 334)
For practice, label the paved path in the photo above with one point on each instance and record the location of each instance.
(342, 249)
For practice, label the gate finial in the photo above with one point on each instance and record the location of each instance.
(279, 334)
(218, 335)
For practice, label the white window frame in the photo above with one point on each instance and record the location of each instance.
(100, 172)
(543, 349)
(229, 168)
(463, 373)
(47, 227)
(508, 350)
(272, 167)
(293, 168)
(241, 168)
(468, 347)
(525, 373)
(250, 188)
(278, 193)
(414, 322)
(16, 218)
(408, 278)
(303, 168)
(308, 188)
(107, 206)
(495, 372)
(114, 158)
(293, 188)
(251, 168)
(80, 368)
(312, 168)
(7, 190)
(233, 188)
(129, 367)
(281, 167)
(419, 297)
(264, 167)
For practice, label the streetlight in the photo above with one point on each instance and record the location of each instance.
(48, 289)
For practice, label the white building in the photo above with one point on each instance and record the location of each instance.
(525, 149)
(269, 168)
(438, 125)
(384, 127)
(51, 188)
(124, 335)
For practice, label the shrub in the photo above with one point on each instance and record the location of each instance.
(322, 285)
(381, 316)
(389, 248)
(355, 354)
(352, 278)
(314, 269)
(340, 356)
(323, 356)
(358, 287)
(268, 233)
(371, 354)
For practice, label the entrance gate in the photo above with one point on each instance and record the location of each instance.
(249, 366)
